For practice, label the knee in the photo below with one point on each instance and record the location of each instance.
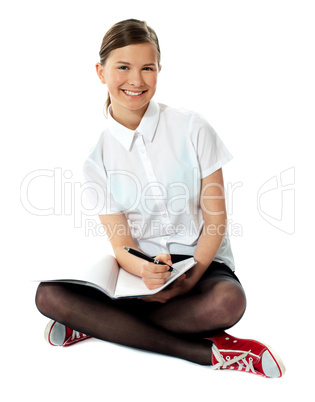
(47, 299)
(223, 306)
(230, 303)
(43, 298)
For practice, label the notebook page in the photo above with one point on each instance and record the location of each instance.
(104, 274)
(129, 285)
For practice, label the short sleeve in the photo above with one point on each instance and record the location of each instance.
(211, 152)
(97, 200)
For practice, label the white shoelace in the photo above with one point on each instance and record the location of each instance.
(76, 334)
(243, 364)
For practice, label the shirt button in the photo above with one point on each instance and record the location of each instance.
(164, 215)
(142, 150)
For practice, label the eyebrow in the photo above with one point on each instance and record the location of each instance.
(129, 64)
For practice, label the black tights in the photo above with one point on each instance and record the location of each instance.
(176, 328)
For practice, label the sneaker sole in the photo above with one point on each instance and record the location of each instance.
(47, 332)
(277, 360)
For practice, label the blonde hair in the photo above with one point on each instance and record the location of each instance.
(124, 33)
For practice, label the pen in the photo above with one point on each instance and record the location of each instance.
(147, 258)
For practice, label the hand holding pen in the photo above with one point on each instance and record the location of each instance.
(155, 275)
(147, 258)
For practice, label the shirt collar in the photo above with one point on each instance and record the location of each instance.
(147, 126)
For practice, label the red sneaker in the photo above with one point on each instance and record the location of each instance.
(59, 335)
(247, 355)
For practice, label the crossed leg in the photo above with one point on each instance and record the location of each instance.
(217, 303)
(176, 328)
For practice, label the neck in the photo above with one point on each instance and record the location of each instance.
(129, 118)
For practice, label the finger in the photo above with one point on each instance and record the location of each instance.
(164, 257)
(161, 272)
(154, 283)
(154, 277)
(178, 281)
(155, 268)
(157, 299)
(181, 278)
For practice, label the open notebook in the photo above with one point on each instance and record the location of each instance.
(107, 276)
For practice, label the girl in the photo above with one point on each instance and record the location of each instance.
(158, 175)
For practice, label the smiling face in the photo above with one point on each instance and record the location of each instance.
(131, 74)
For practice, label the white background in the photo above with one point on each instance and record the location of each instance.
(248, 66)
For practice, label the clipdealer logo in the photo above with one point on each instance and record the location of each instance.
(276, 201)
(46, 192)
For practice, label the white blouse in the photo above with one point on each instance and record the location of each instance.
(153, 175)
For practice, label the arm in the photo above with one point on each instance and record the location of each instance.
(212, 202)
(118, 231)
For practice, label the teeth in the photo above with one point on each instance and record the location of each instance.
(132, 93)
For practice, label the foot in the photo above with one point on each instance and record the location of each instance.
(59, 335)
(247, 355)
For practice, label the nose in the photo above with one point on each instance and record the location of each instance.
(135, 78)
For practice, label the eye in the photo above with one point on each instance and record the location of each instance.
(123, 68)
(148, 69)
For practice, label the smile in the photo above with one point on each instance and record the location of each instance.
(131, 93)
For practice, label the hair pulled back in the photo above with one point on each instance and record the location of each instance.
(124, 33)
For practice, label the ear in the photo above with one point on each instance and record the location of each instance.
(160, 68)
(100, 72)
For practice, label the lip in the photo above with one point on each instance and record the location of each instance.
(133, 93)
